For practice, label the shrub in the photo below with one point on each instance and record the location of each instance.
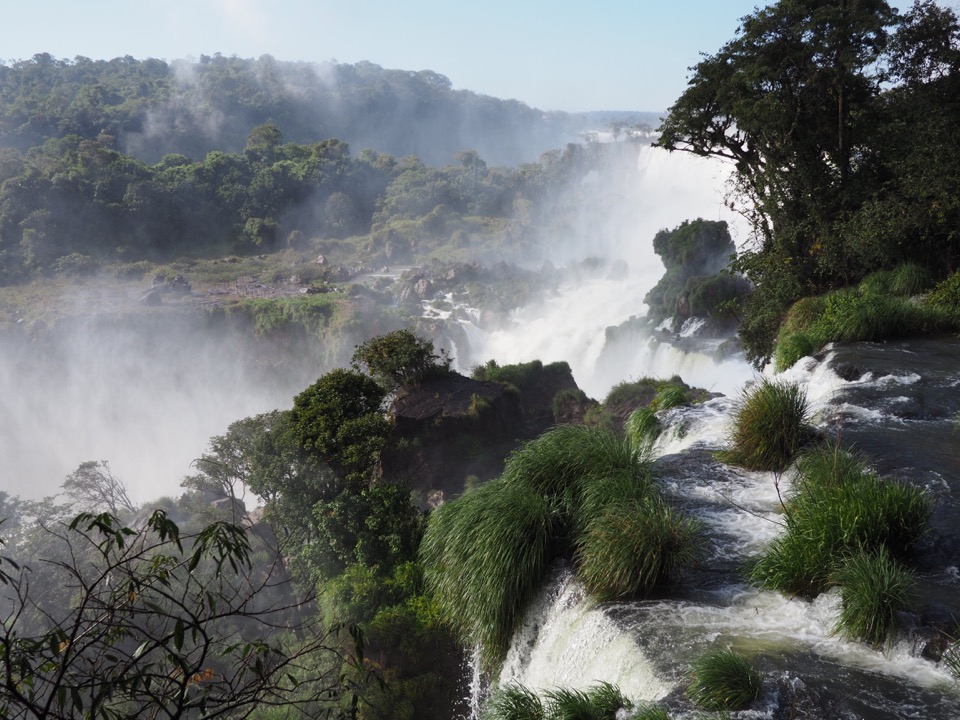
(873, 588)
(724, 680)
(946, 295)
(769, 426)
(634, 544)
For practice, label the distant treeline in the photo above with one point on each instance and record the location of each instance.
(154, 108)
(75, 203)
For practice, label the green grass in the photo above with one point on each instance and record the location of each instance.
(642, 428)
(769, 426)
(559, 462)
(878, 309)
(633, 545)
(838, 509)
(484, 558)
(574, 487)
(513, 702)
(874, 588)
(724, 680)
(516, 702)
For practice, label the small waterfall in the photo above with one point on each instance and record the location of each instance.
(566, 641)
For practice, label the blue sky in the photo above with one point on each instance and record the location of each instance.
(554, 55)
(559, 55)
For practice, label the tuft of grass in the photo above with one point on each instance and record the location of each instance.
(633, 545)
(724, 680)
(838, 509)
(484, 557)
(557, 464)
(909, 279)
(669, 396)
(651, 713)
(790, 348)
(830, 464)
(599, 492)
(873, 589)
(769, 426)
(514, 702)
(642, 428)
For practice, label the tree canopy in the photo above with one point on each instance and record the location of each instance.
(811, 103)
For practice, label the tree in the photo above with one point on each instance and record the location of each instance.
(791, 103)
(93, 488)
(162, 625)
(340, 421)
(400, 357)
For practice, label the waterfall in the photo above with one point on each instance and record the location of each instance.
(646, 647)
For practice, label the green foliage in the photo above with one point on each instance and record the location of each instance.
(400, 357)
(694, 254)
(339, 419)
(669, 396)
(642, 427)
(633, 545)
(769, 426)
(192, 630)
(724, 680)
(516, 702)
(484, 557)
(946, 295)
(871, 312)
(874, 588)
(485, 553)
(790, 348)
(837, 510)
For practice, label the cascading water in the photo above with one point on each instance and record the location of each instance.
(664, 190)
(867, 394)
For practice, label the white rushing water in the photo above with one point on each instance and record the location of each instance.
(666, 190)
(646, 647)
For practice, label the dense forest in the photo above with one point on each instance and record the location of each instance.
(119, 161)
(370, 568)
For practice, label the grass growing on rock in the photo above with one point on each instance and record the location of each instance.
(633, 545)
(829, 521)
(485, 556)
(879, 308)
(769, 426)
(724, 680)
(516, 702)
(578, 492)
(874, 588)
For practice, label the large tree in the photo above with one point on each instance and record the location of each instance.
(808, 102)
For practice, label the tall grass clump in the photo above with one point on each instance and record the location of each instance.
(557, 463)
(838, 509)
(724, 680)
(909, 279)
(642, 428)
(769, 426)
(484, 558)
(874, 588)
(633, 545)
(514, 702)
